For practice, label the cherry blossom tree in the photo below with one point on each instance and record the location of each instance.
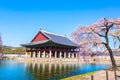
(1, 48)
(116, 38)
(98, 35)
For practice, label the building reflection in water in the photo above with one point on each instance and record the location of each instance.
(49, 71)
(44, 71)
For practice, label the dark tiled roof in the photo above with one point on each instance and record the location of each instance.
(55, 38)
(59, 39)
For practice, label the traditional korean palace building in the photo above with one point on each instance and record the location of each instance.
(50, 45)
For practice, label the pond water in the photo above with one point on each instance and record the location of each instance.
(13, 70)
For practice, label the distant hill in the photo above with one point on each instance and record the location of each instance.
(13, 50)
(10, 46)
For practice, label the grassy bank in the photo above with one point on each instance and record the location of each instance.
(80, 77)
(98, 75)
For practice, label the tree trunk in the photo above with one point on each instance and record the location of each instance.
(111, 57)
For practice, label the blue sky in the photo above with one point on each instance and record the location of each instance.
(20, 20)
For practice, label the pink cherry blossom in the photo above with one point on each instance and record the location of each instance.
(97, 35)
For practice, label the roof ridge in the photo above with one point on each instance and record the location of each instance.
(53, 33)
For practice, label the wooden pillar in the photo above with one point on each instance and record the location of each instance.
(92, 78)
(60, 55)
(107, 75)
(33, 54)
(55, 54)
(69, 55)
(64, 54)
(38, 54)
(50, 53)
(73, 55)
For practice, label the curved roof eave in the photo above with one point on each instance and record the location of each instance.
(34, 43)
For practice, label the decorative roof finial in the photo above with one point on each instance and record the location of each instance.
(41, 29)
